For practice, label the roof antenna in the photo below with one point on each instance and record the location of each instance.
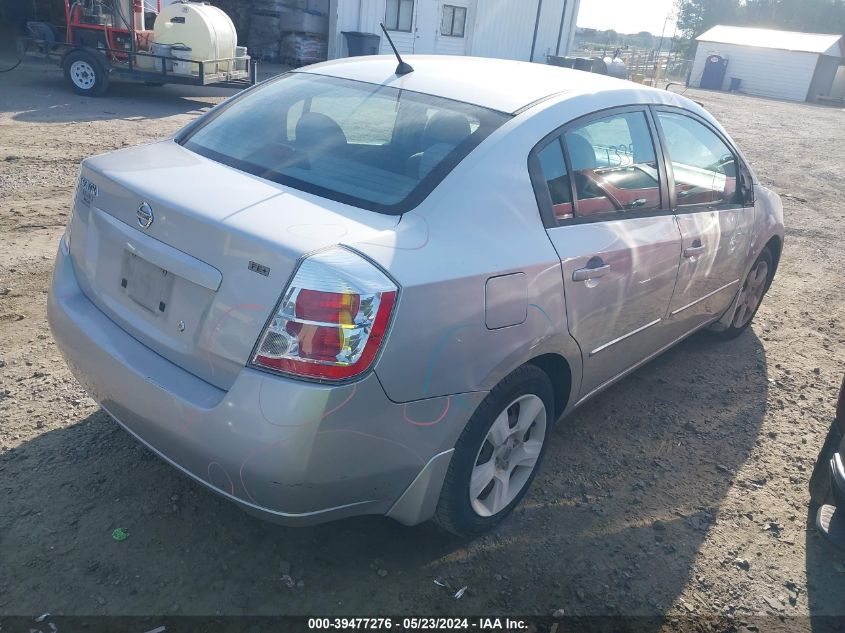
(403, 68)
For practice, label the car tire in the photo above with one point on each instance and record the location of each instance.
(820, 484)
(505, 453)
(87, 75)
(751, 295)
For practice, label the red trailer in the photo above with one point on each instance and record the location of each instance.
(105, 39)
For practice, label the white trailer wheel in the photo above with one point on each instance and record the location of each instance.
(82, 75)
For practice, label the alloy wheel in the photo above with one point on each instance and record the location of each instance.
(508, 455)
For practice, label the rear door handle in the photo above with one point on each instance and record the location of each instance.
(696, 249)
(583, 274)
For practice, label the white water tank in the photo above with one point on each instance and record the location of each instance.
(206, 30)
(616, 67)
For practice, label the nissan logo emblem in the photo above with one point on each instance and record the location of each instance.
(145, 216)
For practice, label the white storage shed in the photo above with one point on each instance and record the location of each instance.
(768, 63)
(509, 29)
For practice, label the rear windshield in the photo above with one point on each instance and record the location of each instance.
(371, 146)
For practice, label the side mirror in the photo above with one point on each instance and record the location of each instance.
(746, 187)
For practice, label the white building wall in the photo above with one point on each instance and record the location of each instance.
(495, 28)
(505, 28)
(451, 46)
(764, 72)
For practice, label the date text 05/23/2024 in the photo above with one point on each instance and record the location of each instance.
(418, 624)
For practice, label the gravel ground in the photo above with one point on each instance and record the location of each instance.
(680, 491)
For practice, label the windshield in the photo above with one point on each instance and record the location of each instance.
(371, 146)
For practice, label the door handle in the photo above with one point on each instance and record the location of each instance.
(583, 274)
(636, 204)
(696, 249)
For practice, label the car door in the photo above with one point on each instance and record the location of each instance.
(600, 185)
(715, 215)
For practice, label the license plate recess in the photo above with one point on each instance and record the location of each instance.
(145, 283)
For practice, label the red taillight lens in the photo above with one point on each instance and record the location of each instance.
(327, 307)
(317, 342)
(332, 319)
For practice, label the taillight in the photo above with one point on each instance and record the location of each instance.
(331, 320)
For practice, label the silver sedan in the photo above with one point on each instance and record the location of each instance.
(348, 291)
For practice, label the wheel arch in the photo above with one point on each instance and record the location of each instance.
(99, 58)
(557, 368)
(419, 501)
(775, 246)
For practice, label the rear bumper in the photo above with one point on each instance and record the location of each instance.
(289, 451)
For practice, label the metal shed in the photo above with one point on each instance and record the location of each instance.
(769, 63)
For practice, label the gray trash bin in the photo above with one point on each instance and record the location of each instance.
(583, 63)
(563, 62)
(360, 43)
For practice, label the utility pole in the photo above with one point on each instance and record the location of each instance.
(660, 46)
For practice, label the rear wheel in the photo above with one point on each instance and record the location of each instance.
(498, 454)
(751, 295)
(86, 74)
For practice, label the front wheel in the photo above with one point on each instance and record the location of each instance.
(751, 295)
(86, 74)
(498, 453)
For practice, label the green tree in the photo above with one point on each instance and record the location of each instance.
(696, 16)
(811, 16)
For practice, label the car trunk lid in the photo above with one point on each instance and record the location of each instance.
(196, 272)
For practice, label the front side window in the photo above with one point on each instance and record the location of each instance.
(703, 165)
(453, 21)
(614, 167)
(399, 15)
(368, 145)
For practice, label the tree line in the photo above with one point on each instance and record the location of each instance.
(694, 17)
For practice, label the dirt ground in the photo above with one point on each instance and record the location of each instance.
(682, 490)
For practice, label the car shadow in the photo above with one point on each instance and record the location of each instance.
(47, 98)
(38, 93)
(630, 485)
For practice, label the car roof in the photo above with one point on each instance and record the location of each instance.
(498, 84)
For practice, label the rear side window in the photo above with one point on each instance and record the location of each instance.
(612, 166)
(703, 165)
(363, 144)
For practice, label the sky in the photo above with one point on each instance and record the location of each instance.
(626, 16)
